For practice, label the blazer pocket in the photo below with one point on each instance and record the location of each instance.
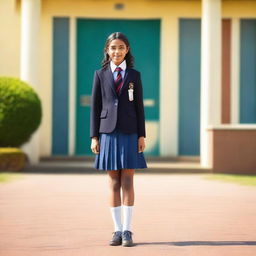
(103, 113)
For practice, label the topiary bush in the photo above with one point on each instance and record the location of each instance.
(20, 112)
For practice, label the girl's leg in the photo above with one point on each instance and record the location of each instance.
(128, 197)
(115, 186)
(115, 200)
(127, 186)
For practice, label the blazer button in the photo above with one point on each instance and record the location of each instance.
(116, 102)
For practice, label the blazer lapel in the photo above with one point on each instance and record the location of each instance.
(110, 79)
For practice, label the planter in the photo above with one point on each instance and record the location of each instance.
(12, 159)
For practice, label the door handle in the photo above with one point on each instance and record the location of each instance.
(149, 102)
(85, 100)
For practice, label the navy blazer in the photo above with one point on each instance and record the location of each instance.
(110, 111)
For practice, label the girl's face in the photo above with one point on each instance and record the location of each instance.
(117, 50)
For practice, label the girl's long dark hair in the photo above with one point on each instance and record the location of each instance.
(128, 57)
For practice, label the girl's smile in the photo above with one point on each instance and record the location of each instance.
(117, 50)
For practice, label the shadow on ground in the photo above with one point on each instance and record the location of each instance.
(196, 243)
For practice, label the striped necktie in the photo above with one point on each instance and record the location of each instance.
(119, 80)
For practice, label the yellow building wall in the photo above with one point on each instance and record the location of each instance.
(168, 11)
(9, 38)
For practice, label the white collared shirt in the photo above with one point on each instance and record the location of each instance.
(122, 66)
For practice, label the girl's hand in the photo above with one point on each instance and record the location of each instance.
(141, 144)
(95, 145)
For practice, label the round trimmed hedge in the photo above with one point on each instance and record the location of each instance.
(20, 112)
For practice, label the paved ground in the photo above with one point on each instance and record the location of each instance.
(174, 214)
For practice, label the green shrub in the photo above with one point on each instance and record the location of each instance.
(20, 112)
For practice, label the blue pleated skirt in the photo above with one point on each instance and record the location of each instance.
(119, 151)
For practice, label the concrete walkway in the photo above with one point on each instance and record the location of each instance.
(174, 214)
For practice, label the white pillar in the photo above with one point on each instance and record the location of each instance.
(235, 71)
(29, 63)
(210, 73)
(169, 87)
(72, 87)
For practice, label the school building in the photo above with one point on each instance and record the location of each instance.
(197, 59)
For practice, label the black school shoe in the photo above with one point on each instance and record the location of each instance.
(127, 238)
(116, 238)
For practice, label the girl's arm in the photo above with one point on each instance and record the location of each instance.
(141, 144)
(96, 106)
(140, 108)
(95, 145)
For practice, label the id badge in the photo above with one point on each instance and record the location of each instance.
(130, 91)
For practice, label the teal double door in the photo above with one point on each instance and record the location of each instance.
(144, 38)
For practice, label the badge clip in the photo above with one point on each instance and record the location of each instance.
(130, 91)
(131, 85)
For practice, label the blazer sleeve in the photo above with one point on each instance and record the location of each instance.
(96, 106)
(140, 108)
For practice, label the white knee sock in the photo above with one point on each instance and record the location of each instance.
(127, 213)
(116, 216)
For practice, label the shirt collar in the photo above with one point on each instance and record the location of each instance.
(122, 65)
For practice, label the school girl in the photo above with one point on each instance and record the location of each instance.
(117, 130)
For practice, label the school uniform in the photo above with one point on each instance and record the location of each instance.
(117, 121)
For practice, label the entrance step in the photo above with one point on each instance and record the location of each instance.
(84, 164)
